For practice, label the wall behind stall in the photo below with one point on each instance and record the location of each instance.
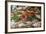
(2, 17)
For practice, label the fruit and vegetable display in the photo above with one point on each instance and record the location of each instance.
(25, 16)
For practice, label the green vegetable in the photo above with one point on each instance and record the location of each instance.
(15, 18)
(31, 18)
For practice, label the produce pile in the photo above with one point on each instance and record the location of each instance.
(25, 17)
